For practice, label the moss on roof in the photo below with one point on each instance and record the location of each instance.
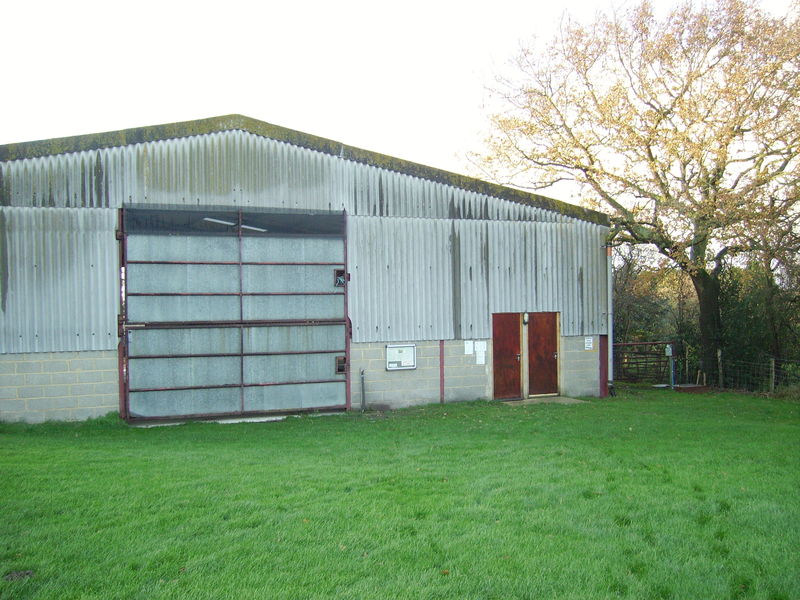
(154, 133)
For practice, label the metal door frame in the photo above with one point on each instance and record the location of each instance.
(124, 325)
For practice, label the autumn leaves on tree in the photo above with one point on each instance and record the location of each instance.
(685, 127)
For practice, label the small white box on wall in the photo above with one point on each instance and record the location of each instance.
(401, 356)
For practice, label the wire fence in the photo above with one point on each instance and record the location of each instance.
(769, 376)
(674, 363)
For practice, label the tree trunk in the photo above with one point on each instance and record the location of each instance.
(773, 318)
(707, 287)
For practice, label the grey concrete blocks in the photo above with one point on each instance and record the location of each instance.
(37, 379)
(91, 377)
(81, 414)
(580, 366)
(14, 405)
(73, 385)
(11, 380)
(58, 385)
(7, 367)
(463, 378)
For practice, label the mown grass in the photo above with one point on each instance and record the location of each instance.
(649, 495)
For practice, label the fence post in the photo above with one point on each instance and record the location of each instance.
(719, 367)
(771, 375)
(687, 378)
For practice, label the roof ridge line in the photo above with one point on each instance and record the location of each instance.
(231, 122)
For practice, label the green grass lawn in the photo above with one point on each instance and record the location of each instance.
(653, 494)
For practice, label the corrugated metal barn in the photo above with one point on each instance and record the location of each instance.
(231, 267)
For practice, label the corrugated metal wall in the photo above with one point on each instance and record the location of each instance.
(236, 168)
(428, 279)
(58, 280)
(400, 279)
(448, 260)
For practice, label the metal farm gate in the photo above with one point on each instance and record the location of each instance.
(227, 312)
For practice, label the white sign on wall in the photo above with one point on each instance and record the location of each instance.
(401, 356)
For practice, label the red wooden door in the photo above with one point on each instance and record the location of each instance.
(542, 353)
(506, 351)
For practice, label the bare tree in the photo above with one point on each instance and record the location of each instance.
(686, 128)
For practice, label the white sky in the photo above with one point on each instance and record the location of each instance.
(406, 78)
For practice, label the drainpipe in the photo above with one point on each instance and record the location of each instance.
(363, 393)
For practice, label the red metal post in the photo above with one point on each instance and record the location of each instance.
(441, 371)
(121, 365)
(122, 348)
(603, 366)
(241, 316)
(348, 326)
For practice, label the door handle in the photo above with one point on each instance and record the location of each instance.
(518, 356)
(555, 354)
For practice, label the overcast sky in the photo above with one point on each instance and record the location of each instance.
(406, 79)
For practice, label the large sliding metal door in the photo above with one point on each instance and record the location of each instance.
(231, 312)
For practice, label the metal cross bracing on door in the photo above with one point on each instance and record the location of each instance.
(232, 313)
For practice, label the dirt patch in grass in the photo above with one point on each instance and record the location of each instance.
(17, 575)
(694, 389)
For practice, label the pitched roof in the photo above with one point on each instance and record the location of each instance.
(153, 133)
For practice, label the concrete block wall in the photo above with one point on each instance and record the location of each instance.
(464, 378)
(60, 386)
(80, 385)
(580, 368)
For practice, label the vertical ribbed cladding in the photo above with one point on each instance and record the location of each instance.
(572, 247)
(587, 293)
(401, 279)
(457, 285)
(62, 280)
(474, 294)
(61, 269)
(542, 268)
(598, 281)
(579, 250)
(501, 259)
(562, 270)
(240, 168)
(428, 279)
(601, 234)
